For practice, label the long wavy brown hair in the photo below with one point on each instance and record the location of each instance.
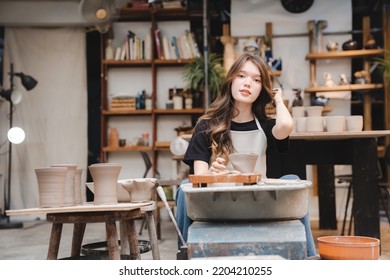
(222, 109)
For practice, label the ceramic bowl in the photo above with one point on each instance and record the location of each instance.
(244, 162)
(348, 248)
(350, 45)
(332, 47)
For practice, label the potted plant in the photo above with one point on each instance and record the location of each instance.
(384, 65)
(194, 76)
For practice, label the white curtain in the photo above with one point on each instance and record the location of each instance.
(53, 114)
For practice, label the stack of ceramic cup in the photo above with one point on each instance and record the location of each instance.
(313, 122)
(59, 185)
(344, 123)
(310, 119)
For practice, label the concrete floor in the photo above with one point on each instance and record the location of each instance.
(31, 241)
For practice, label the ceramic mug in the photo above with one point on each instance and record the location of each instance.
(354, 123)
(335, 123)
(298, 111)
(301, 124)
(314, 111)
(315, 124)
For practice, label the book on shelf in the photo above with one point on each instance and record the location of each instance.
(185, 46)
(123, 52)
(182, 47)
(129, 39)
(166, 48)
(172, 4)
(157, 34)
(118, 53)
(128, 48)
(193, 45)
(172, 50)
(175, 47)
(147, 47)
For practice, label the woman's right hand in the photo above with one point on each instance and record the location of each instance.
(218, 166)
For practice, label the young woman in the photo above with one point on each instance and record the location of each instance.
(237, 122)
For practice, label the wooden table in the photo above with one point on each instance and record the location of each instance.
(325, 150)
(80, 215)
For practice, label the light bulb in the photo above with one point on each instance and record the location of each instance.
(16, 135)
(16, 96)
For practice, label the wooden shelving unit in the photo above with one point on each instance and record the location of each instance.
(151, 16)
(368, 88)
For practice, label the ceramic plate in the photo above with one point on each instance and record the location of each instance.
(179, 146)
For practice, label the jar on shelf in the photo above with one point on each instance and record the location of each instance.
(109, 53)
(177, 102)
(113, 138)
(145, 138)
(148, 104)
(188, 103)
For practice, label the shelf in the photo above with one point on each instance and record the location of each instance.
(351, 87)
(181, 112)
(122, 112)
(366, 58)
(154, 119)
(275, 73)
(135, 14)
(344, 54)
(373, 102)
(127, 149)
(146, 14)
(147, 63)
(127, 63)
(172, 62)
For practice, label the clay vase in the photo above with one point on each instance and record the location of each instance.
(51, 182)
(105, 177)
(69, 193)
(77, 187)
(244, 162)
(113, 138)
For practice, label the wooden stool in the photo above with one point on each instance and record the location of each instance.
(129, 241)
(81, 215)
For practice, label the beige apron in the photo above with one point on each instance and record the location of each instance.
(254, 141)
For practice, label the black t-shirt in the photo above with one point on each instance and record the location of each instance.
(199, 147)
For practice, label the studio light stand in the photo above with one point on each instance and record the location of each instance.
(10, 95)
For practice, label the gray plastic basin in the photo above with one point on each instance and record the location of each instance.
(247, 203)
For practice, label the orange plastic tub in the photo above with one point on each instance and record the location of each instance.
(348, 248)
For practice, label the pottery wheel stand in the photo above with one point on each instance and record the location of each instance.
(263, 239)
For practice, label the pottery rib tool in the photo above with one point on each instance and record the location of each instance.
(161, 193)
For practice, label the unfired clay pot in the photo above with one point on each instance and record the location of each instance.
(105, 177)
(51, 182)
(143, 189)
(243, 162)
(69, 192)
(77, 187)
